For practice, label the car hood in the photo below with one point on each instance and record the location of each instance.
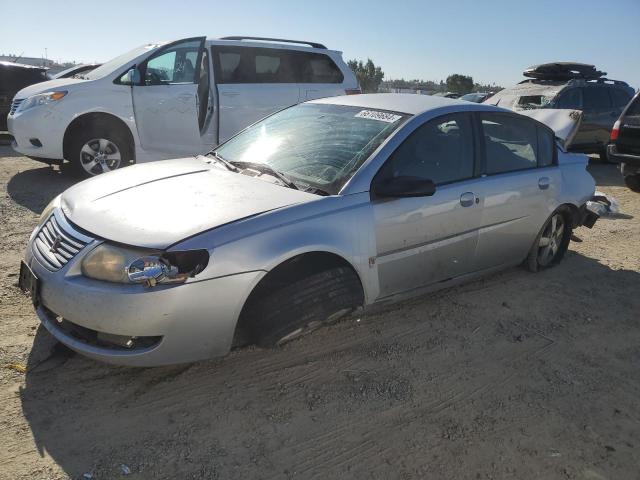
(158, 204)
(59, 84)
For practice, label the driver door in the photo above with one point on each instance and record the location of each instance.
(172, 102)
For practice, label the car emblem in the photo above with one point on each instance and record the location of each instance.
(56, 243)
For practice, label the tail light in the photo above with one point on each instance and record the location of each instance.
(615, 131)
(352, 91)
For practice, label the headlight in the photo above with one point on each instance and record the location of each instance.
(41, 99)
(121, 265)
(53, 204)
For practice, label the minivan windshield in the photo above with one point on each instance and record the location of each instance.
(316, 146)
(121, 60)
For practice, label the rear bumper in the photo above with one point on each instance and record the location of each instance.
(617, 157)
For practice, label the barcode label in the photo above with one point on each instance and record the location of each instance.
(381, 116)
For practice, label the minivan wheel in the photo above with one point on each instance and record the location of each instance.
(551, 243)
(93, 153)
(633, 182)
(297, 309)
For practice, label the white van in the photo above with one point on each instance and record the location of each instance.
(165, 100)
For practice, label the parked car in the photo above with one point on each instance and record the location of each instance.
(302, 217)
(576, 86)
(625, 143)
(76, 70)
(14, 77)
(164, 100)
(476, 97)
(447, 94)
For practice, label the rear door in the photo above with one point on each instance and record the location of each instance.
(252, 82)
(172, 102)
(423, 240)
(518, 188)
(598, 116)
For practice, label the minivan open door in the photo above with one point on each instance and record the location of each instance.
(172, 99)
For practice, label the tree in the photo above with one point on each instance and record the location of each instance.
(369, 76)
(459, 83)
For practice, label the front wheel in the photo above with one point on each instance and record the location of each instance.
(551, 243)
(93, 153)
(299, 308)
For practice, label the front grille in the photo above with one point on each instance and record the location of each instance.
(57, 242)
(15, 104)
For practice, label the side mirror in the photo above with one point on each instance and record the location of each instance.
(132, 77)
(404, 187)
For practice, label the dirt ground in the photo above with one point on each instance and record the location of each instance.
(517, 376)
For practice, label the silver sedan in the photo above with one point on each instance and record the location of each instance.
(315, 211)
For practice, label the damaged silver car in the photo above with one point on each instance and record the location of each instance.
(311, 213)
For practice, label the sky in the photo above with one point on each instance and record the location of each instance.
(491, 40)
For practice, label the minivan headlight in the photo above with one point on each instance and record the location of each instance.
(128, 265)
(41, 99)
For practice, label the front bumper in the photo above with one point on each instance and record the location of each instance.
(41, 123)
(189, 322)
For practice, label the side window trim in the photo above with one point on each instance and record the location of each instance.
(470, 117)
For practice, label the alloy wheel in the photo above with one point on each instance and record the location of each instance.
(551, 239)
(100, 155)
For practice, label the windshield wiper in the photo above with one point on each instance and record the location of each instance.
(216, 156)
(264, 168)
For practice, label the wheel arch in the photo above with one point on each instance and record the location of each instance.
(87, 120)
(291, 269)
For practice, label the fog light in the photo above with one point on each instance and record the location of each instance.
(35, 142)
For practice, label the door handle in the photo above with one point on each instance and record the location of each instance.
(467, 199)
(543, 183)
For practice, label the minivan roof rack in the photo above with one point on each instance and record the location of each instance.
(267, 39)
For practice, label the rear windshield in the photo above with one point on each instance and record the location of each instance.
(316, 145)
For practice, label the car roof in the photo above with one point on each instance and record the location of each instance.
(408, 103)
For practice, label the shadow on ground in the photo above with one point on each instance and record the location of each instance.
(36, 187)
(479, 365)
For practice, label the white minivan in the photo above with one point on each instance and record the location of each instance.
(164, 100)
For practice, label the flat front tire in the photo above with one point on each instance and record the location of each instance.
(299, 308)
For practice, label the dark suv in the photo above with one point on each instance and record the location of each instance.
(572, 86)
(14, 77)
(625, 144)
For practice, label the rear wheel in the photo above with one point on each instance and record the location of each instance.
(633, 182)
(294, 310)
(551, 243)
(94, 152)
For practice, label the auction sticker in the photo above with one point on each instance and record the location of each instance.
(381, 116)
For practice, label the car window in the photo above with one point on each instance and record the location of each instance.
(316, 68)
(175, 65)
(511, 143)
(596, 98)
(274, 65)
(620, 98)
(440, 150)
(546, 147)
(634, 108)
(570, 99)
(527, 102)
